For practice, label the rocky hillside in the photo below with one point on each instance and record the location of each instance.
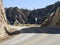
(16, 15)
(3, 22)
(48, 16)
(25, 16)
(53, 19)
(56, 18)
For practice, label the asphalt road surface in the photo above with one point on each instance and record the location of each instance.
(50, 37)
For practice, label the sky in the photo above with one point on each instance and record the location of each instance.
(29, 4)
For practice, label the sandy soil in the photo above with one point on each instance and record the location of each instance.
(15, 28)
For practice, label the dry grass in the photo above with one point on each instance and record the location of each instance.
(34, 25)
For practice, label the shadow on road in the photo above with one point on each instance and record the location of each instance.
(48, 30)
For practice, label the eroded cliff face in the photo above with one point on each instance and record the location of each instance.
(56, 18)
(53, 19)
(3, 22)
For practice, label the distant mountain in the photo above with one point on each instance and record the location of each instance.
(25, 16)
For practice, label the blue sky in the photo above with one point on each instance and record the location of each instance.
(29, 4)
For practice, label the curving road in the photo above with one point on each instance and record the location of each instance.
(36, 38)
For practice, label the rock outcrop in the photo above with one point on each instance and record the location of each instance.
(3, 22)
(53, 19)
(56, 18)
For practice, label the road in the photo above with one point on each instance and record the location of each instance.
(34, 39)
